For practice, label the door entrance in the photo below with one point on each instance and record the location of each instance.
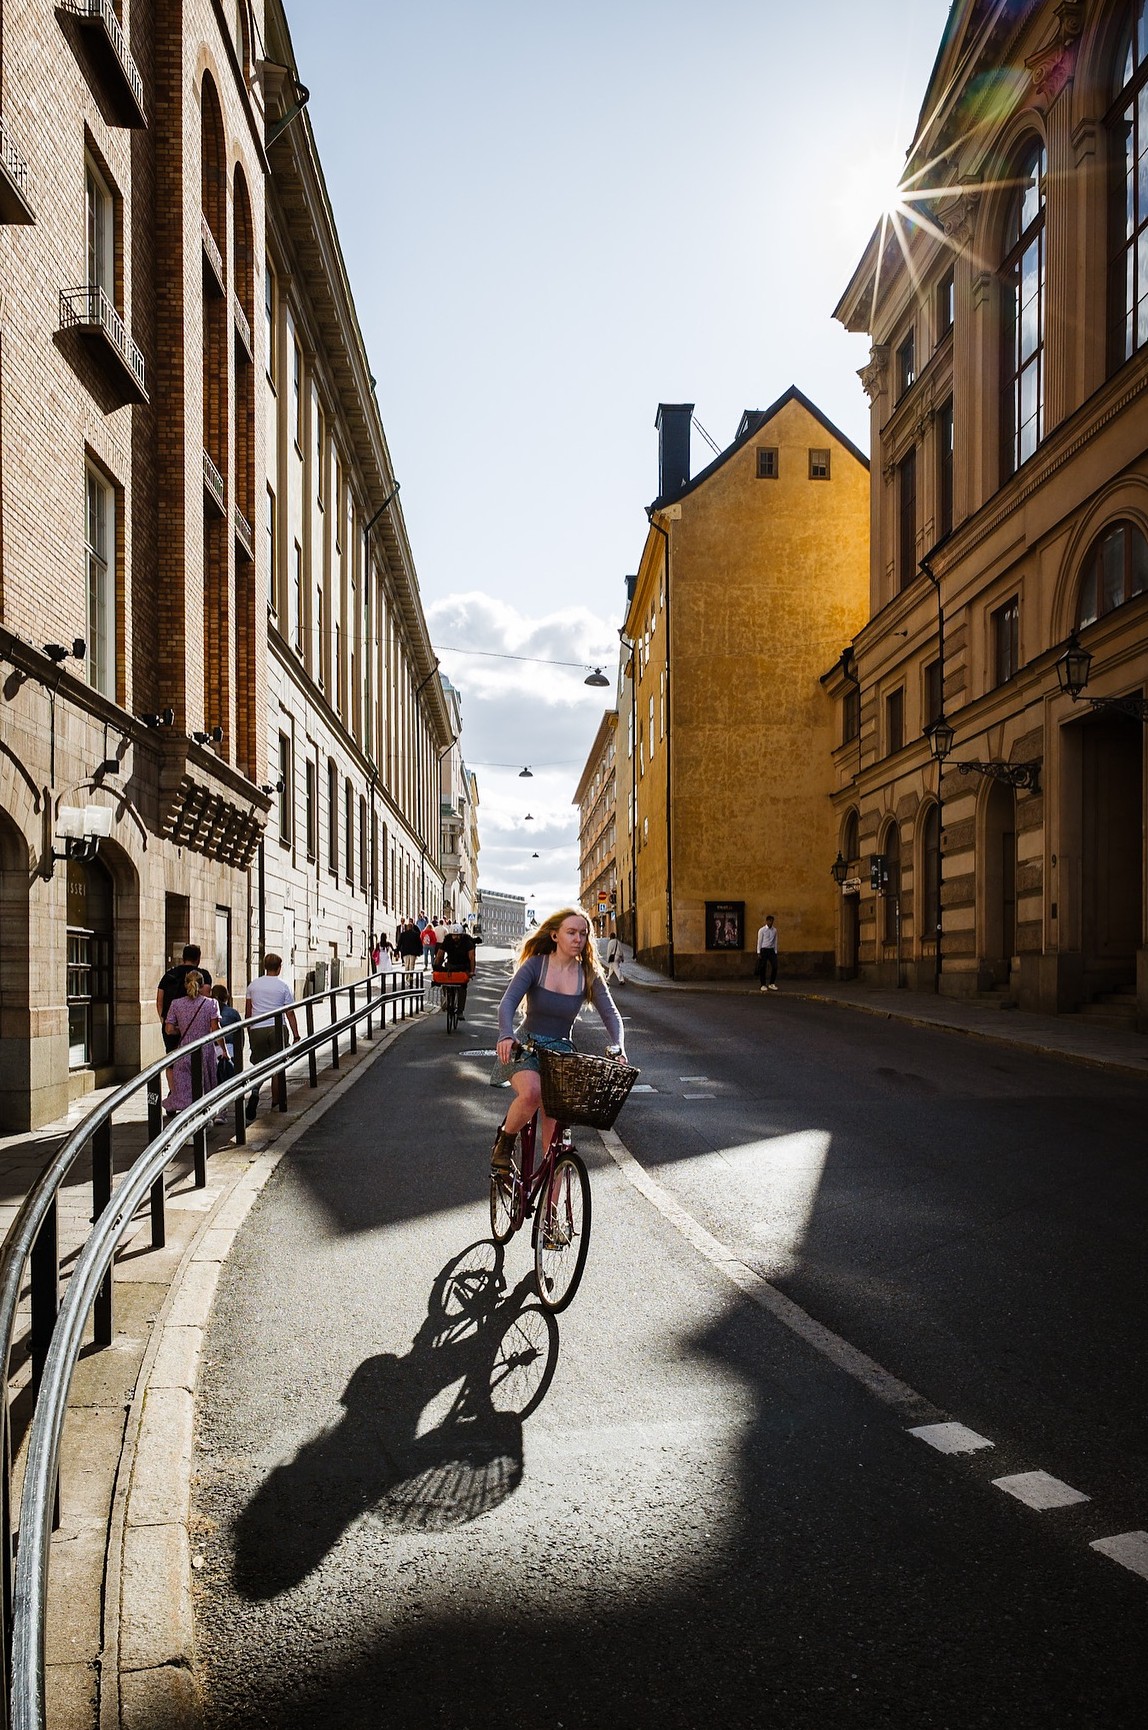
(91, 904)
(1112, 863)
(999, 886)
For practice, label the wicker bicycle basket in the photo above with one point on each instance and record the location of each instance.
(579, 1088)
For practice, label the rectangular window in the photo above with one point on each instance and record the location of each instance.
(363, 839)
(295, 603)
(272, 539)
(349, 838)
(297, 396)
(907, 518)
(946, 303)
(317, 420)
(651, 729)
(1006, 640)
(286, 791)
(818, 465)
(319, 644)
(311, 794)
(332, 817)
(906, 364)
(945, 467)
(269, 318)
(101, 231)
(766, 463)
(100, 546)
(894, 722)
(850, 714)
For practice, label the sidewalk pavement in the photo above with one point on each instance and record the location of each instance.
(1073, 1038)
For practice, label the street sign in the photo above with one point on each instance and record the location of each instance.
(603, 905)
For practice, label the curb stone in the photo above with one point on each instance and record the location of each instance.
(148, 1662)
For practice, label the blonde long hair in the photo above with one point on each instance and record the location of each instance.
(543, 941)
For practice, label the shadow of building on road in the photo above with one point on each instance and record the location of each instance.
(479, 1365)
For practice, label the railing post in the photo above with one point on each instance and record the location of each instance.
(370, 1034)
(154, 1128)
(45, 1284)
(312, 1055)
(354, 1028)
(199, 1139)
(240, 1099)
(102, 1321)
(334, 1019)
(279, 1082)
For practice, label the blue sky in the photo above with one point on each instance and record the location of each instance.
(553, 218)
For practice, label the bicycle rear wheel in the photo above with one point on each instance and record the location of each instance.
(451, 998)
(562, 1232)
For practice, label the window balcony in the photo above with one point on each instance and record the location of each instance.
(213, 490)
(212, 258)
(110, 54)
(89, 311)
(243, 328)
(244, 535)
(15, 191)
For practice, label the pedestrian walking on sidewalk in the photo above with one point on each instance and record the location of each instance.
(767, 955)
(267, 997)
(189, 1018)
(410, 945)
(173, 985)
(615, 955)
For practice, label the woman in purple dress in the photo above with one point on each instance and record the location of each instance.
(191, 1017)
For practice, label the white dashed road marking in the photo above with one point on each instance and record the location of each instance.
(951, 1438)
(1039, 1490)
(1130, 1549)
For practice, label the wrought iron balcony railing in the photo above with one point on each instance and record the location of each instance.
(244, 533)
(243, 326)
(88, 310)
(213, 481)
(98, 17)
(15, 181)
(212, 254)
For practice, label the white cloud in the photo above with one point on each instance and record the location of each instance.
(531, 712)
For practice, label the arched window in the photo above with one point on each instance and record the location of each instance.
(892, 898)
(930, 872)
(1115, 571)
(1022, 298)
(1128, 215)
(850, 844)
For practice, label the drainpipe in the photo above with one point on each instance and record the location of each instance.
(669, 735)
(633, 648)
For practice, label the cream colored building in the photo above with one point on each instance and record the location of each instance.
(1008, 312)
(752, 574)
(459, 808)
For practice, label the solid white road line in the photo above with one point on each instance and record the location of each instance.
(1130, 1549)
(1039, 1490)
(910, 1405)
(951, 1438)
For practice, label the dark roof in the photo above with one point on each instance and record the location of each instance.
(749, 426)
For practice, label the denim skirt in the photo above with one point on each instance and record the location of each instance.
(501, 1073)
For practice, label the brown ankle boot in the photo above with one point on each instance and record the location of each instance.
(501, 1151)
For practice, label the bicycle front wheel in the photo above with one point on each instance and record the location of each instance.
(562, 1232)
(506, 1201)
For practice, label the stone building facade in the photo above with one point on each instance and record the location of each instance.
(140, 684)
(749, 573)
(458, 794)
(1007, 304)
(596, 797)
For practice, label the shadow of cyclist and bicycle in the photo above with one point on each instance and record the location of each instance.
(428, 1441)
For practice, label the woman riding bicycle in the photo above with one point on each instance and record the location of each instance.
(558, 973)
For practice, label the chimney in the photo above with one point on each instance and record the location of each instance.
(673, 424)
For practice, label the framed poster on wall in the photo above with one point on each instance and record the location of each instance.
(725, 924)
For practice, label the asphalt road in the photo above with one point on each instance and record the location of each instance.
(419, 1503)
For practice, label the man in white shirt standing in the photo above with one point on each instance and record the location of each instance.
(267, 996)
(767, 955)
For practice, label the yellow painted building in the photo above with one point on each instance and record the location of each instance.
(752, 575)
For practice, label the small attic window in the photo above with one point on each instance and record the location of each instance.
(818, 465)
(767, 462)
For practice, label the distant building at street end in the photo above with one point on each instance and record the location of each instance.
(596, 799)
(749, 571)
(990, 716)
(502, 918)
(458, 803)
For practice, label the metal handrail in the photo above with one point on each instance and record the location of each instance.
(28, 1600)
